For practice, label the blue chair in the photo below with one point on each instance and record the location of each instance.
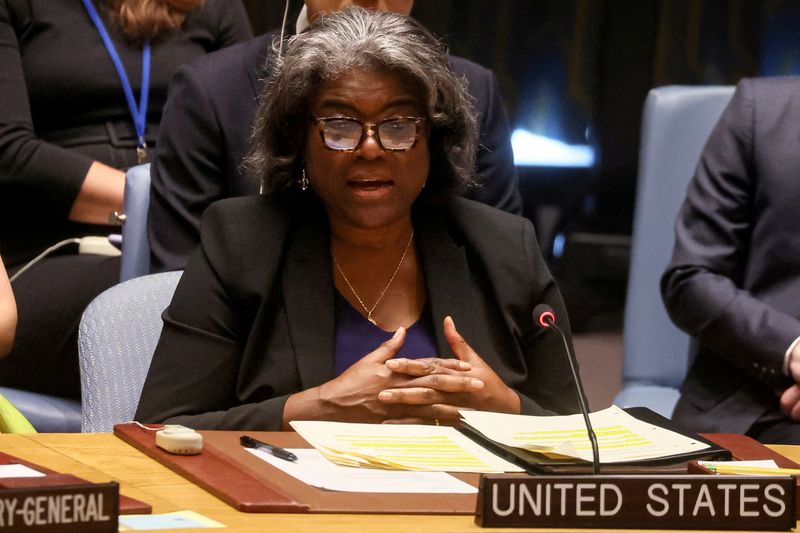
(117, 337)
(11, 420)
(676, 123)
(47, 414)
(135, 248)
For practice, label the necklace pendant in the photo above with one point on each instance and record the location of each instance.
(383, 293)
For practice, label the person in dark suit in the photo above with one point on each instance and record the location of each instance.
(207, 123)
(360, 286)
(734, 279)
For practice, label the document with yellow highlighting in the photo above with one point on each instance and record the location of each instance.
(400, 447)
(620, 436)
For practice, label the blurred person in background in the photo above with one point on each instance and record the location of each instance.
(83, 86)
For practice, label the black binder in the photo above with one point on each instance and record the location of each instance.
(536, 463)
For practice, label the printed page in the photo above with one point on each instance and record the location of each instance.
(400, 447)
(312, 468)
(620, 436)
(176, 520)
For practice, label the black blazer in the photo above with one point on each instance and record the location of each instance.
(205, 133)
(252, 320)
(734, 279)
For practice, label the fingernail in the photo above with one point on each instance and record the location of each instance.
(476, 384)
(385, 396)
(464, 366)
(392, 363)
(397, 333)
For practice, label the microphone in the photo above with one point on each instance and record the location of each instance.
(544, 315)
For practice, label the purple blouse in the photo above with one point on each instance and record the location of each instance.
(356, 336)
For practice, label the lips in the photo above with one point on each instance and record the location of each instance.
(369, 184)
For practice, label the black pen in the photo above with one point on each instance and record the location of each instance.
(250, 442)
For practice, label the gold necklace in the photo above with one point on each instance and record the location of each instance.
(396, 270)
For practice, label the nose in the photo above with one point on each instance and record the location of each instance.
(369, 148)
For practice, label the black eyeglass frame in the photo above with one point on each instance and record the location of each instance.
(367, 127)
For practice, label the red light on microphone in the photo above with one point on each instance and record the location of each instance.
(544, 315)
(546, 319)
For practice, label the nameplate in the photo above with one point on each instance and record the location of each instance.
(89, 508)
(638, 502)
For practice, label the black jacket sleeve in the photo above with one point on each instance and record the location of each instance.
(187, 153)
(204, 135)
(196, 369)
(530, 359)
(50, 175)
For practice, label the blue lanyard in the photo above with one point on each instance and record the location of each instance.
(138, 112)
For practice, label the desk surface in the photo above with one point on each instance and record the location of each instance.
(102, 457)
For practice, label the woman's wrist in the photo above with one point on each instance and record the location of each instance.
(303, 405)
(101, 193)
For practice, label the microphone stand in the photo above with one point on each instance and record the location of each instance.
(547, 319)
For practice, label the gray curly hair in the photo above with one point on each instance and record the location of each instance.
(355, 38)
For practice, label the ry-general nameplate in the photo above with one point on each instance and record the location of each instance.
(89, 508)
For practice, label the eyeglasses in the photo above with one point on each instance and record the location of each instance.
(345, 134)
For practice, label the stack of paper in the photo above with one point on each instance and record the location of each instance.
(312, 468)
(400, 447)
(620, 436)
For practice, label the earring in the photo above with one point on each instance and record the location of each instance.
(303, 181)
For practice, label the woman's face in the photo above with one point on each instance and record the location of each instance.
(368, 187)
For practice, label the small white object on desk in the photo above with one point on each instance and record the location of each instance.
(179, 440)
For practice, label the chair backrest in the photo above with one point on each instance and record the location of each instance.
(11, 420)
(135, 248)
(118, 334)
(676, 123)
(47, 414)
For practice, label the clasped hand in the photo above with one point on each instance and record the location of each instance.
(380, 388)
(790, 398)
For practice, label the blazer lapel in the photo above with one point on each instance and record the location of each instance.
(309, 300)
(448, 280)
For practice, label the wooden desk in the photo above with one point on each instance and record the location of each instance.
(103, 457)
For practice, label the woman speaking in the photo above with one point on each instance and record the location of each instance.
(359, 287)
